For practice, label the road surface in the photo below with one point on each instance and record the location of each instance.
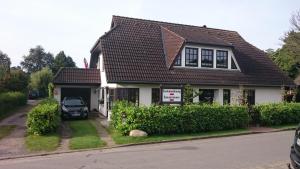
(269, 150)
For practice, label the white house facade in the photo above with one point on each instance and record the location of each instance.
(137, 57)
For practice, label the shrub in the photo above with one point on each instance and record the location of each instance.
(44, 118)
(278, 114)
(174, 119)
(11, 100)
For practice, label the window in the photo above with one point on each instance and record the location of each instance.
(191, 57)
(206, 95)
(222, 59)
(207, 58)
(233, 66)
(226, 96)
(249, 97)
(129, 94)
(178, 61)
(155, 96)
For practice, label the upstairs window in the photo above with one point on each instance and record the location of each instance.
(178, 61)
(191, 57)
(233, 65)
(207, 58)
(222, 59)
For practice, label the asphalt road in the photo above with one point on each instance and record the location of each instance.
(239, 152)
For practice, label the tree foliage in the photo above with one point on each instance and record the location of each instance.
(4, 64)
(61, 60)
(17, 80)
(37, 59)
(40, 80)
(288, 56)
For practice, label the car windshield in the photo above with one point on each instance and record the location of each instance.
(73, 102)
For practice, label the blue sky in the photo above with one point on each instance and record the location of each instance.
(74, 26)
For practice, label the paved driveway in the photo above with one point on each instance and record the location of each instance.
(13, 144)
(269, 150)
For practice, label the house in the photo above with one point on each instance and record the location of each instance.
(136, 57)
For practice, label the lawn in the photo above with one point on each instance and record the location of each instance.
(48, 142)
(6, 130)
(119, 139)
(84, 135)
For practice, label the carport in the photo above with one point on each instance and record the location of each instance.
(76, 82)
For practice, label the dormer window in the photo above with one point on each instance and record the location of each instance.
(207, 58)
(222, 59)
(233, 65)
(178, 61)
(191, 57)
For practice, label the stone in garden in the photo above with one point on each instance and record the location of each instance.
(137, 133)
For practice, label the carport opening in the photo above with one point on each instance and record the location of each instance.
(84, 93)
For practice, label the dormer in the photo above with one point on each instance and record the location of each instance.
(197, 49)
(206, 57)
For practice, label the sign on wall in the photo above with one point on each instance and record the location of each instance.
(171, 95)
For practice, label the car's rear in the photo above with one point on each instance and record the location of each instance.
(295, 150)
(74, 107)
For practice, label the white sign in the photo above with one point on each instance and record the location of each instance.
(171, 95)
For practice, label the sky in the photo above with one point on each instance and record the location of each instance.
(74, 25)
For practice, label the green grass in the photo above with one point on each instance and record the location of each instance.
(286, 126)
(6, 130)
(119, 139)
(84, 135)
(48, 142)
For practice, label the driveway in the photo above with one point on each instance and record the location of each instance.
(268, 150)
(13, 144)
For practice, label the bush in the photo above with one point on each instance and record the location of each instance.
(44, 118)
(174, 119)
(11, 100)
(279, 113)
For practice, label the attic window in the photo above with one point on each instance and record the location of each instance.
(207, 58)
(191, 57)
(178, 61)
(233, 65)
(222, 59)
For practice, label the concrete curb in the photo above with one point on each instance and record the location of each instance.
(144, 143)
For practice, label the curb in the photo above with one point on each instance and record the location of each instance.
(145, 143)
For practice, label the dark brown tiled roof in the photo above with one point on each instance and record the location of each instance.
(77, 76)
(142, 51)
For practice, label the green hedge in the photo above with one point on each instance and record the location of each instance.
(279, 113)
(11, 100)
(44, 118)
(175, 119)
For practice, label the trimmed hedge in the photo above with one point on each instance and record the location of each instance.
(44, 118)
(174, 119)
(11, 100)
(279, 113)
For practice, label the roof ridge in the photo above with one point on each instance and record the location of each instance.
(179, 24)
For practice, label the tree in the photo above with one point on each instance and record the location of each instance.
(61, 60)
(4, 64)
(189, 94)
(288, 57)
(37, 59)
(40, 80)
(17, 80)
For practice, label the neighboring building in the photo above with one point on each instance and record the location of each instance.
(136, 56)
